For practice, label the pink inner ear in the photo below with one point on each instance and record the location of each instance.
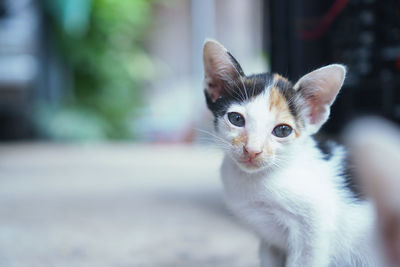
(214, 90)
(317, 109)
(219, 69)
(215, 72)
(320, 88)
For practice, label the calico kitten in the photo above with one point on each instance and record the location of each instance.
(275, 177)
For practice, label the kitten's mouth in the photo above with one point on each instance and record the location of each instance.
(249, 163)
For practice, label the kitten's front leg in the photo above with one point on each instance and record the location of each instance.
(271, 256)
(308, 249)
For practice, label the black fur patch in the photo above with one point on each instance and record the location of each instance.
(350, 182)
(236, 64)
(326, 147)
(219, 107)
(257, 83)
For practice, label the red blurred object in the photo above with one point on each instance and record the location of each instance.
(398, 63)
(325, 22)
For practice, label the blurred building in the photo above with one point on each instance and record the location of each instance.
(31, 69)
(33, 72)
(362, 34)
(19, 65)
(175, 102)
(165, 66)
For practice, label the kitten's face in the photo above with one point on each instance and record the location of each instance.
(260, 129)
(260, 117)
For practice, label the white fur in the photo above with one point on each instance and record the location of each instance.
(294, 199)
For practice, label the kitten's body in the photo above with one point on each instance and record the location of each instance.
(302, 210)
(275, 177)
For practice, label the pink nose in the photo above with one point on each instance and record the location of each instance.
(252, 154)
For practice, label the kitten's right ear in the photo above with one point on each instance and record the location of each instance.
(220, 69)
(319, 88)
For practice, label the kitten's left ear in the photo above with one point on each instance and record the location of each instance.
(319, 88)
(220, 70)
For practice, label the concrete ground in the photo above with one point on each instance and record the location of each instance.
(116, 205)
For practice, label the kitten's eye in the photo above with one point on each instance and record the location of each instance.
(236, 119)
(282, 131)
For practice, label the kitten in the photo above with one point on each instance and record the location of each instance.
(276, 179)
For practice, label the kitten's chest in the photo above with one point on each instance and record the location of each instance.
(267, 221)
(254, 205)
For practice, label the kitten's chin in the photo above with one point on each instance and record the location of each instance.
(251, 167)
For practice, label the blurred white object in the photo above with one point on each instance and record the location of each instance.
(375, 145)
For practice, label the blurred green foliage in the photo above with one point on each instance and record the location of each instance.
(101, 42)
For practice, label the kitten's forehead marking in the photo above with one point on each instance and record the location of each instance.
(278, 102)
(285, 87)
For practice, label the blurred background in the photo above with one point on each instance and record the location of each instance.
(114, 70)
(101, 102)
(132, 70)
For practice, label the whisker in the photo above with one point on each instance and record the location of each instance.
(237, 92)
(234, 83)
(240, 77)
(279, 162)
(213, 135)
(254, 87)
(213, 141)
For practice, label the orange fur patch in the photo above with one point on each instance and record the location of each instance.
(277, 77)
(240, 140)
(268, 150)
(278, 103)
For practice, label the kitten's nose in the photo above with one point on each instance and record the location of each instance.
(252, 154)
